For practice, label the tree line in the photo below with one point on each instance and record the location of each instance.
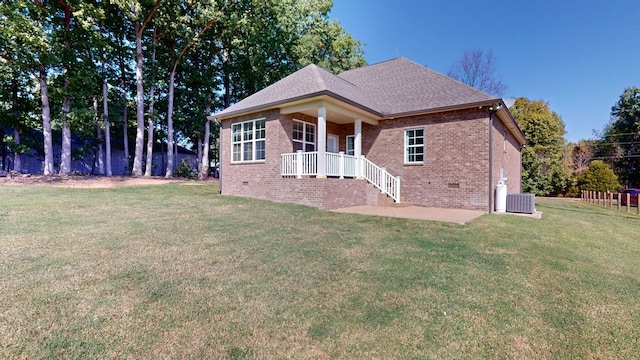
(107, 70)
(552, 166)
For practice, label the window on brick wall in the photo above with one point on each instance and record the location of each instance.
(304, 136)
(248, 140)
(414, 146)
(351, 145)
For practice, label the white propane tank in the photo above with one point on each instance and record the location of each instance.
(501, 197)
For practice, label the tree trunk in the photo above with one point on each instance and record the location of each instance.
(107, 126)
(17, 156)
(204, 168)
(169, 173)
(100, 155)
(199, 154)
(65, 155)
(107, 135)
(46, 123)
(125, 124)
(137, 159)
(150, 123)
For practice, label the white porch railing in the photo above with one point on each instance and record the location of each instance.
(301, 164)
(380, 178)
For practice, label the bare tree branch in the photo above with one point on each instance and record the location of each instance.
(476, 68)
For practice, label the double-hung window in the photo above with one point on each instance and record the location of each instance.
(351, 145)
(414, 146)
(304, 136)
(248, 140)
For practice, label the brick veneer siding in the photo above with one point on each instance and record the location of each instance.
(262, 179)
(506, 155)
(454, 174)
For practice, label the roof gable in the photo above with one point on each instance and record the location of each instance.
(390, 88)
(307, 82)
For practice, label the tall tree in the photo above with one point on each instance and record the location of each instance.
(17, 103)
(183, 36)
(105, 117)
(27, 42)
(477, 68)
(141, 16)
(324, 42)
(543, 169)
(623, 135)
(67, 56)
(151, 114)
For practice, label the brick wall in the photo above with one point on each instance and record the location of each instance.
(507, 156)
(262, 179)
(454, 174)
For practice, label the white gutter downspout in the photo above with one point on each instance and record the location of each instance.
(492, 110)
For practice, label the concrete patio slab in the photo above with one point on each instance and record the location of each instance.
(458, 216)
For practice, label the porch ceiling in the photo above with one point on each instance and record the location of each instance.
(338, 113)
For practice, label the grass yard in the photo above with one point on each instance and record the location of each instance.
(174, 271)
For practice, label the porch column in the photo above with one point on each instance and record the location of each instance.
(357, 146)
(322, 143)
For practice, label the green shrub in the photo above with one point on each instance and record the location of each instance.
(185, 170)
(599, 177)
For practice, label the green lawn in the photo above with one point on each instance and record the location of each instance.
(176, 271)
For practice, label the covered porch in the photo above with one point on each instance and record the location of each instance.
(323, 162)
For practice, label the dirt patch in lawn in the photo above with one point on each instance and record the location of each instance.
(87, 181)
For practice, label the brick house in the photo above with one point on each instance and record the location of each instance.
(391, 131)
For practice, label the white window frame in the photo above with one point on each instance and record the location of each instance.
(248, 136)
(415, 144)
(351, 150)
(305, 128)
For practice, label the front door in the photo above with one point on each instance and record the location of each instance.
(332, 143)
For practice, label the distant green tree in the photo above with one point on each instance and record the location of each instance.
(599, 177)
(621, 140)
(543, 169)
(323, 42)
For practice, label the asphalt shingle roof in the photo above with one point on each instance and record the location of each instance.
(401, 86)
(389, 88)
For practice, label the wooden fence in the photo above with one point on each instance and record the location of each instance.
(608, 200)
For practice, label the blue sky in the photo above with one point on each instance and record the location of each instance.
(579, 56)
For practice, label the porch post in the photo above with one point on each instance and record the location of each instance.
(299, 164)
(322, 143)
(341, 165)
(357, 146)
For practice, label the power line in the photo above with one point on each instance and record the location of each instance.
(621, 134)
(616, 157)
(619, 143)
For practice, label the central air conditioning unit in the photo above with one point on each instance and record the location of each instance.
(521, 203)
